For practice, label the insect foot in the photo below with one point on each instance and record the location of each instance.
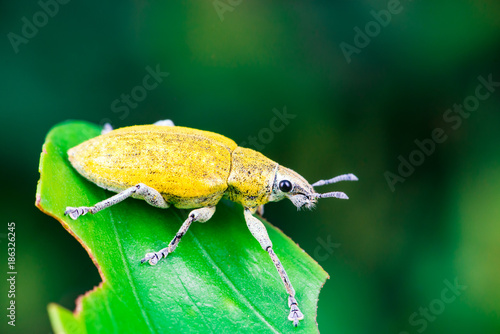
(295, 314)
(153, 258)
(74, 213)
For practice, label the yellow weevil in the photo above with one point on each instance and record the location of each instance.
(188, 168)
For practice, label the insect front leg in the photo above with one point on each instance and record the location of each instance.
(199, 215)
(258, 230)
(260, 210)
(150, 195)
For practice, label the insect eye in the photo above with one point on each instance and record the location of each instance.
(285, 186)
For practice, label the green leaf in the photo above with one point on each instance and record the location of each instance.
(217, 280)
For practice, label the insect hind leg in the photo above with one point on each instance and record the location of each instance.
(106, 128)
(140, 190)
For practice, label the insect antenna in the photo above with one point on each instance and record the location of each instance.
(343, 177)
(335, 194)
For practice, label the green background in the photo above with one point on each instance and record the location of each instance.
(390, 251)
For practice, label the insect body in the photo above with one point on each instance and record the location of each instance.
(192, 169)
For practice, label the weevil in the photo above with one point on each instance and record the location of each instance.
(166, 165)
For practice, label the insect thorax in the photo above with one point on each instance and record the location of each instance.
(251, 178)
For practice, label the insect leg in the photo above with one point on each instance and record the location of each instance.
(106, 128)
(164, 122)
(258, 230)
(260, 210)
(199, 215)
(150, 195)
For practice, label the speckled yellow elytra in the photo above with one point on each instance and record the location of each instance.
(192, 169)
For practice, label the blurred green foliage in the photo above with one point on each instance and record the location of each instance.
(393, 250)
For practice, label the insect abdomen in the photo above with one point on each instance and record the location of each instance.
(189, 167)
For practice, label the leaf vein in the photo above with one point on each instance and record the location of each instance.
(230, 284)
(129, 277)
